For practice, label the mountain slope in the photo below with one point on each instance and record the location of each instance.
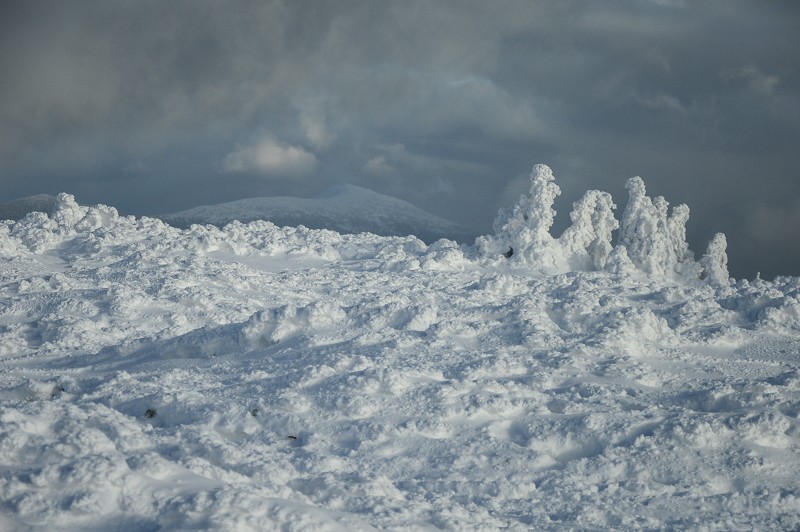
(342, 208)
(14, 210)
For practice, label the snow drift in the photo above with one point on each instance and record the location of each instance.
(253, 377)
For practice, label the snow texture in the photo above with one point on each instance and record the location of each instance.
(587, 242)
(650, 240)
(252, 377)
(656, 242)
(523, 231)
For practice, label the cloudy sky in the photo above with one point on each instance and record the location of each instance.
(156, 106)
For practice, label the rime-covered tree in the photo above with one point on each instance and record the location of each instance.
(639, 225)
(655, 240)
(652, 238)
(715, 261)
(522, 232)
(67, 212)
(587, 242)
(676, 227)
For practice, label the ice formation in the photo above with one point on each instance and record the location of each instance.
(523, 231)
(715, 261)
(587, 242)
(651, 239)
(655, 241)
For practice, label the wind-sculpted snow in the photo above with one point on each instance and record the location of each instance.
(523, 231)
(650, 240)
(252, 377)
(587, 242)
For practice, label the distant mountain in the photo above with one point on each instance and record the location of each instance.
(342, 208)
(17, 209)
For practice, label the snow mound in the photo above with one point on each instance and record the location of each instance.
(343, 208)
(651, 239)
(252, 377)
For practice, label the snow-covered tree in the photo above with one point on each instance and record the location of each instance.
(715, 261)
(655, 240)
(676, 227)
(652, 238)
(639, 225)
(587, 242)
(67, 212)
(522, 232)
(684, 266)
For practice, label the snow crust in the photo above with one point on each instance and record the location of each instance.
(252, 377)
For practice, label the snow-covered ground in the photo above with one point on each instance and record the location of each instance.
(254, 378)
(343, 208)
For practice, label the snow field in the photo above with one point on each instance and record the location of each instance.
(255, 377)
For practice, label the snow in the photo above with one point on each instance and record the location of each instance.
(252, 377)
(343, 208)
(655, 241)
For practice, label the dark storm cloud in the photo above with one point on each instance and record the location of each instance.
(156, 106)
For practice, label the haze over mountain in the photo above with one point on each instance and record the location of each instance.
(342, 208)
(18, 208)
(156, 107)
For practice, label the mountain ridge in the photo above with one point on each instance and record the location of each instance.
(344, 208)
(18, 208)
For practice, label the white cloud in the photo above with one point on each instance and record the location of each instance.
(622, 87)
(756, 80)
(378, 167)
(667, 3)
(396, 159)
(476, 102)
(517, 186)
(662, 101)
(316, 130)
(272, 158)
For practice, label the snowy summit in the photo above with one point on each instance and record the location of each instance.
(14, 210)
(252, 377)
(343, 208)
